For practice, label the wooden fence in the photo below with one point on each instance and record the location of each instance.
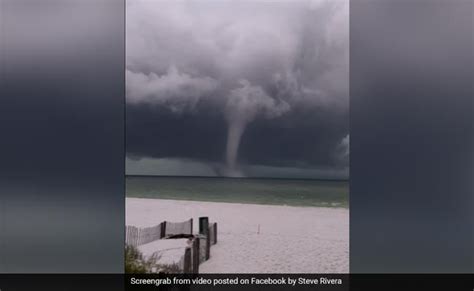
(213, 233)
(197, 252)
(173, 228)
(139, 236)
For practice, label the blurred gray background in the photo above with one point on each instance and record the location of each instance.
(62, 144)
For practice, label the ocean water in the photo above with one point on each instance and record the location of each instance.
(321, 193)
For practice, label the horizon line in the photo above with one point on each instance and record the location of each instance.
(227, 177)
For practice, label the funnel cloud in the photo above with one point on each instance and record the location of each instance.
(243, 105)
(235, 85)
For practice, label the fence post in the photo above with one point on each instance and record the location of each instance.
(208, 245)
(135, 238)
(187, 261)
(196, 258)
(163, 229)
(215, 232)
(127, 234)
(204, 230)
(139, 238)
(203, 225)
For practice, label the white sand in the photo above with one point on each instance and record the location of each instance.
(291, 239)
(170, 251)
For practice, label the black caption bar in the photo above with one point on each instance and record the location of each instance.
(329, 282)
(334, 282)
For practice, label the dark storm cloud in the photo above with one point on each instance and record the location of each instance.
(302, 138)
(238, 82)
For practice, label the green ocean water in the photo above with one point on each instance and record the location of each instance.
(320, 193)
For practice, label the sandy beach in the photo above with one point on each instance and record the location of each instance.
(259, 238)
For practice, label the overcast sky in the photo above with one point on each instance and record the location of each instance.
(238, 88)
